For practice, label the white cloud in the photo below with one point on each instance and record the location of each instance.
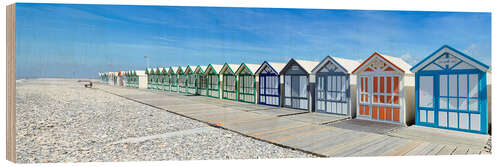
(412, 60)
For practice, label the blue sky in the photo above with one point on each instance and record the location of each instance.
(62, 40)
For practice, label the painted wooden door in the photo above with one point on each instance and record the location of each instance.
(364, 95)
(458, 101)
(246, 88)
(213, 85)
(332, 94)
(269, 92)
(229, 87)
(174, 83)
(296, 91)
(385, 98)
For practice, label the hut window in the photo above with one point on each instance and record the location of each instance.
(426, 94)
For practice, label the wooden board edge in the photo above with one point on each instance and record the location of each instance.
(11, 83)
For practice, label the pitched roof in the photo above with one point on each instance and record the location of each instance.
(347, 64)
(217, 67)
(233, 67)
(448, 49)
(277, 67)
(399, 63)
(307, 65)
(252, 67)
(200, 69)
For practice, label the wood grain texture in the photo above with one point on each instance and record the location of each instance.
(11, 83)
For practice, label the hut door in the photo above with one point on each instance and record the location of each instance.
(385, 98)
(269, 89)
(458, 102)
(298, 87)
(364, 103)
(332, 93)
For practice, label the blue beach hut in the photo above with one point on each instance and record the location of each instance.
(451, 91)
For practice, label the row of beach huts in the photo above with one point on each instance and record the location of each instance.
(448, 89)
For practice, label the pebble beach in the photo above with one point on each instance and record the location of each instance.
(59, 120)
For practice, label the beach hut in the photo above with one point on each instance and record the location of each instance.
(229, 90)
(149, 72)
(142, 79)
(113, 78)
(270, 83)
(174, 83)
(451, 91)
(200, 80)
(156, 81)
(121, 78)
(212, 73)
(132, 79)
(385, 89)
(165, 84)
(333, 85)
(245, 74)
(181, 79)
(101, 77)
(297, 87)
(190, 80)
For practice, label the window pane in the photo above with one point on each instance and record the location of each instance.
(423, 117)
(462, 104)
(430, 116)
(453, 85)
(443, 103)
(475, 122)
(473, 85)
(303, 86)
(426, 94)
(464, 121)
(453, 103)
(473, 105)
(288, 80)
(453, 119)
(462, 84)
(443, 121)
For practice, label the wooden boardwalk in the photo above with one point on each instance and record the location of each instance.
(320, 134)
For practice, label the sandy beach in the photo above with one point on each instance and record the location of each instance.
(59, 120)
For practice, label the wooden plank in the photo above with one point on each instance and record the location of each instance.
(318, 142)
(407, 148)
(299, 134)
(378, 149)
(283, 131)
(461, 150)
(474, 151)
(424, 149)
(274, 130)
(11, 83)
(361, 147)
(447, 150)
(263, 125)
(331, 151)
(436, 149)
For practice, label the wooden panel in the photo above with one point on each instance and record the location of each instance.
(396, 85)
(11, 83)
(382, 85)
(389, 87)
(381, 114)
(375, 112)
(388, 113)
(375, 84)
(396, 114)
